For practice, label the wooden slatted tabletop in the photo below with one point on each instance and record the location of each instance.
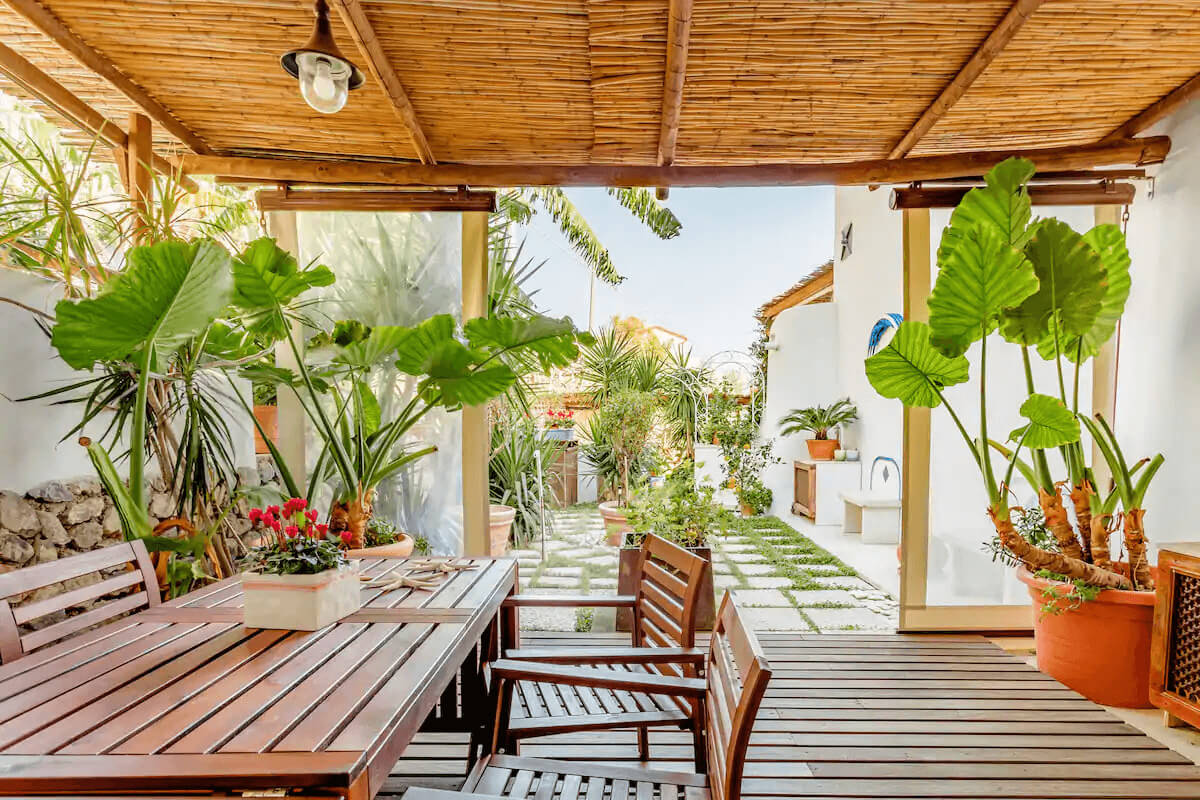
(893, 716)
(184, 697)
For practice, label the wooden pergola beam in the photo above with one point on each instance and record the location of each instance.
(364, 36)
(986, 53)
(1150, 150)
(679, 27)
(373, 200)
(1166, 105)
(66, 104)
(42, 19)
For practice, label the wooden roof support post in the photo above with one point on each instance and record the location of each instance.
(290, 416)
(41, 18)
(995, 42)
(1153, 113)
(1104, 369)
(475, 434)
(914, 463)
(138, 174)
(377, 63)
(679, 27)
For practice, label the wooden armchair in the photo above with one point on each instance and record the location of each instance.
(664, 630)
(15, 643)
(736, 673)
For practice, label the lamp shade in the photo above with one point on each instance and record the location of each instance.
(325, 75)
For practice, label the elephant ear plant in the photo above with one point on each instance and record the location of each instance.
(1054, 293)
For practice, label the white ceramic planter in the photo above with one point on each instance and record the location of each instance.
(300, 602)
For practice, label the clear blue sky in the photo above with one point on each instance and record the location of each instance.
(738, 248)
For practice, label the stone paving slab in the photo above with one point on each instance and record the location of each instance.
(842, 582)
(859, 618)
(745, 558)
(813, 597)
(756, 569)
(761, 597)
(775, 619)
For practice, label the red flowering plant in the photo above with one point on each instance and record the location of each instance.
(556, 420)
(295, 543)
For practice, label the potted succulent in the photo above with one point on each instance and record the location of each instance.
(383, 540)
(1057, 294)
(679, 513)
(300, 579)
(819, 421)
(559, 425)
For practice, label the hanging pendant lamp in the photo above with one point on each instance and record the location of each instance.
(326, 76)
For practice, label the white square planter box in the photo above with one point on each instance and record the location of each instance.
(300, 602)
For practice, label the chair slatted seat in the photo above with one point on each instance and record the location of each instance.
(124, 568)
(736, 678)
(663, 606)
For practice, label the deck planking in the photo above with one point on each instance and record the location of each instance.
(877, 716)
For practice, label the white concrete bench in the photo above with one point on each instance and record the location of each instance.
(875, 516)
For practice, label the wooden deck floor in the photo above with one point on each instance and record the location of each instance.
(879, 716)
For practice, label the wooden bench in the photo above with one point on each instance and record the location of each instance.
(664, 608)
(138, 574)
(876, 517)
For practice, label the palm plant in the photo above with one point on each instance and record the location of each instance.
(518, 470)
(818, 420)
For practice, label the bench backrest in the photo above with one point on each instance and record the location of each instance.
(737, 673)
(138, 572)
(668, 591)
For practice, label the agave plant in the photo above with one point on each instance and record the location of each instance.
(818, 420)
(1050, 291)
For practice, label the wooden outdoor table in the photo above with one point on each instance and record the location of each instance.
(184, 697)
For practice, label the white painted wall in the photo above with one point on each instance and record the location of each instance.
(802, 372)
(1159, 372)
(30, 431)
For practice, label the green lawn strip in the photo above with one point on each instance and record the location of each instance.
(784, 562)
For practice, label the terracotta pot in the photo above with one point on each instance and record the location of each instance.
(500, 521)
(268, 417)
(1100, 649)
(747, 511)
(401, 548)
(706, 609)
(822, 449)
(616, 524)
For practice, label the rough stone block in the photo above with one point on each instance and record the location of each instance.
(87, 535)
(86, 509)
(52, 492)
(52, 528)
(14, 549)
(17, 514)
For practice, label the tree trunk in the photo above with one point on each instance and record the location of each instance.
(1081, 497)
(1036, 558)
(1058, 524)
(1135, 546)
(352, 515)
(1100, 534)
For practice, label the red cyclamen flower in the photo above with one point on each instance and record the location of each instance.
(292, 531)
(347, 536)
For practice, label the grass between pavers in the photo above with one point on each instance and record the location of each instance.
(784, 536)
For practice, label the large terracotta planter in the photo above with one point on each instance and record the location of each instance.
(822, 449)
(1100, 649)
(268, 418)
(627, 583)
(616, 524)
(500, 521)
(401, 548)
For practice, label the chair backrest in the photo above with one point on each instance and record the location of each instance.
(121, 567)
(737, 673)
(668, 591)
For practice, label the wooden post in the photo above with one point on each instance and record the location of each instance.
(291, 422)
(914, 519)
(475, 437)
(1104, 371)
(140, 157)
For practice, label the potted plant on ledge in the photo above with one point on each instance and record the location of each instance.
(819, 421)
(1058, 294)
(300, 579)
(559, 425)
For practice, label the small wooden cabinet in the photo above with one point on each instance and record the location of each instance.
(817, 488)
(1175, 648)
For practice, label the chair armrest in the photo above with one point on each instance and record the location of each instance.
(609, 655)
(599, 678)
(571, 601)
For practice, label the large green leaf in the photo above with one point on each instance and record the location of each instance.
(1072, 285)
(551, 340)
(1109, 244)
(372, 414)
(167, 294)
(1001, 206)
(454, 374)
(267, 278)
(1051, 423)
(979, 276)
(417, 347)
(910, 370)
(375, 348)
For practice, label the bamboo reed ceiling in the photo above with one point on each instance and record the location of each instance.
(578, 82)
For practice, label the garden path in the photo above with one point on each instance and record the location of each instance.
(784, 581)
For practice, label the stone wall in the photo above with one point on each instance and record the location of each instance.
(61, 518)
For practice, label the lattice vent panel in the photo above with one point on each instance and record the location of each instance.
(1183, 673)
